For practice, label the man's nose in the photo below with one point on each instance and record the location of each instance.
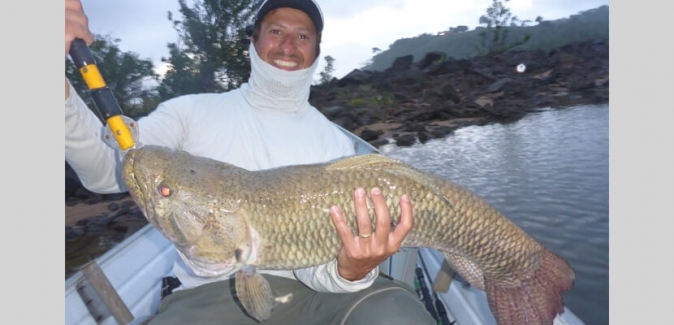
(288, 43)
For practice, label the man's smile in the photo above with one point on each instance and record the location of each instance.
(284, 64)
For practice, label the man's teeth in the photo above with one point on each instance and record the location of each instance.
(286, 64)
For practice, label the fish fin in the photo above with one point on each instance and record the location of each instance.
(466, 268)
(360, 161)
(254, 293)
(537, 300)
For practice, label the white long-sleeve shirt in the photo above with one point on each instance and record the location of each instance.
(238, 127)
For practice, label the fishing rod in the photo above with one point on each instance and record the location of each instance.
(122, 131)
(434, 300)
(424, 295)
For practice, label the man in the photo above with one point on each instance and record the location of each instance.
(266, 123)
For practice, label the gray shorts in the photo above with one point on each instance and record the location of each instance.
(385, 302)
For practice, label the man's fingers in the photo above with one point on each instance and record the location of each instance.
(77, 23)
(342, 228)
(74, 5)
(383, 222)
(406, 222)
(77, 26)
(362, 213)
(78, 31)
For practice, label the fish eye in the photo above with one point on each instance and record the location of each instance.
(164, 190)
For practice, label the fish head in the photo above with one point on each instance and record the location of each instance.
(182, 196)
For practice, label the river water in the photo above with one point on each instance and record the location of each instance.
(548, 173)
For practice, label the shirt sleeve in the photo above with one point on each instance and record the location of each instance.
(95, 163)
(324, 278)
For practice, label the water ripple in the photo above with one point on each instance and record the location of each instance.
(547, 172)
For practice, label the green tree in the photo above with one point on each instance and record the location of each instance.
(182, 75)
(326, 74)
(209, 56)
(494, 38)
(125, 74)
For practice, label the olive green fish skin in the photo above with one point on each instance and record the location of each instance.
(220, 214)
(288, 207)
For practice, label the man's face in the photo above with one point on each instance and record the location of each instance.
(287, 39)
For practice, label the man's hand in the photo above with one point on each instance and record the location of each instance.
(77, 26)
(360, 254)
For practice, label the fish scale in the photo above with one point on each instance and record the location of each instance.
(228, 218)
(310, 212)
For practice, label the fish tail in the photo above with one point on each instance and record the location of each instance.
(538, 300)
(254, 294)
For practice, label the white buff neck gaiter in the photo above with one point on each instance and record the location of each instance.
(280, 90)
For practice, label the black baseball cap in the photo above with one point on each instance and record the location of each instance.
(310, 7)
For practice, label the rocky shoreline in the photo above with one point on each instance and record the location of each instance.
(418, 101)
(409, 102)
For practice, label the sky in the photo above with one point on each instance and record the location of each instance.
(352, 28)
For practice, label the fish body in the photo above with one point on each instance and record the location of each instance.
(224, 218)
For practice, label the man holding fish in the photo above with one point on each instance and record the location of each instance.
(266, 123)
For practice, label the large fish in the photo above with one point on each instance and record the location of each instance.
(226, 219)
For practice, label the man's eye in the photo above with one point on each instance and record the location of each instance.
(275, 31)
(304, 37)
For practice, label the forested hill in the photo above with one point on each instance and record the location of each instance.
(586, 25)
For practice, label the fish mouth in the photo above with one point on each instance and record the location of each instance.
(130, 174)
(132, 183)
